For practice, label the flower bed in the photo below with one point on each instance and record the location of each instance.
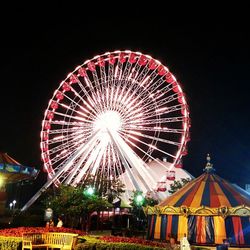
(10, 238)
(18, 231)
(117, 243)
(133, 240)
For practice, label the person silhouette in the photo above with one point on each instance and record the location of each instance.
(60, 222)
(184, 243)
(50, 223)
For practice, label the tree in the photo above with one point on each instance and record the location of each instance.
(110, 189)
(137, 201)
(74, 204)
(178, 185)
(77, 203)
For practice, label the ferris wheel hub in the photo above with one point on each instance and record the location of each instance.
(108, 121)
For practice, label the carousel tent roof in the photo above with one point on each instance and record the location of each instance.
(13, 171)
(208, 190)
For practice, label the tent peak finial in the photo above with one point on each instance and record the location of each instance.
(209, 166)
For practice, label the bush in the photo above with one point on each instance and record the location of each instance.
(115, 246)
(117, 243)
(10, 243)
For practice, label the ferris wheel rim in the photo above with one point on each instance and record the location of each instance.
(117, 54)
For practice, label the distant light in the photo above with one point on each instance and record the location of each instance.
(90, 191)
(139, 199)
(1, 181)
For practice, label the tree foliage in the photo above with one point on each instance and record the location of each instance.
(75, 204)
(178, 185)
(139, 217)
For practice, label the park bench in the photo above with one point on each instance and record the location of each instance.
(48, 240)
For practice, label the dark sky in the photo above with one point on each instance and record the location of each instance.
(210, 60)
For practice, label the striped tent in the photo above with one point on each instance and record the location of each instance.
(12, 171)
(208, 209)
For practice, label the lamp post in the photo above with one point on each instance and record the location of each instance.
(14, 204)
(88, 192)
(139, 200)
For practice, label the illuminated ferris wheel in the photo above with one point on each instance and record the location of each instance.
(110, 116)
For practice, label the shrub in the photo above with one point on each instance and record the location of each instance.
(10, 243)
(115, 246)
(117, 243)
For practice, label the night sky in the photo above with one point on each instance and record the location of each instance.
(210, 61)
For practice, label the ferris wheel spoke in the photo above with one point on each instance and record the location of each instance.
(138, 89)
(110, 80)
(86, 166)
(73, 117)
(71, 89)
(160, 103)
(68, 107)
(103, 76)
(158, 121)
(93, 97)
(135, 162)
(99, 154)
(123, 83)
(67, 123)
(73, 135)
(129, 132)
(117, 83)
(163, 111)
(79, 166)
(131, 81)
(63, 154)
(142, 98)
(62, 151)
(66, 130)
(125, 76)
(149, 145)
(81, 149)
(146, 153)
(118, 163)
(156, 129)
(67, 142)
(73, 103)
(73, 138)
(152, 87)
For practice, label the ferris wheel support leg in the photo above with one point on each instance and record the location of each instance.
(41, 190)
(132, 160)
(57, 174)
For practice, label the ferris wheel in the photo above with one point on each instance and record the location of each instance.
(111, 115)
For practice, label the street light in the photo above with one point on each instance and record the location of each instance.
(14, 203)
(11, 204)
(89, 191)
(139, 199)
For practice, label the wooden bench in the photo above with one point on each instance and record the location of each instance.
(48, 240)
